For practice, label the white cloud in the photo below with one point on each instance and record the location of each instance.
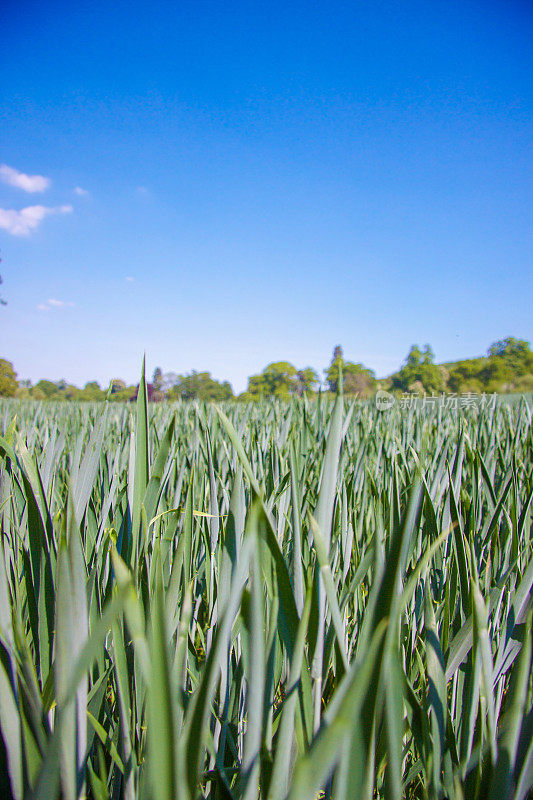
(81, 192)
(29, 183)
(53, 303)
(59, 303)
(21, 223)
(130, 279)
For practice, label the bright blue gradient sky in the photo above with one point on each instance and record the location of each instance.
(263, 182)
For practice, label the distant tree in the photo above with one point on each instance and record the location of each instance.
(199, 386)
(8, 379)
(514, 353)
(498, 376)
(257, 388)
(356, 378)
(23, 391)
(66, 391)
(169, 380)
(120, 393)
(332, 372)
(419, 372)
(70, 392)
(279, 379)
(467, 376)
(157, 379)
(524, 383)
(414, 356)
(44, 390)
(157, 393)
(305, 381)
(508, 366)
(92, 392)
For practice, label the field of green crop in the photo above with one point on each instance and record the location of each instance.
(265, 600)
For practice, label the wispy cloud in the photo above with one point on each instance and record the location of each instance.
(59, 303)
(23, 222)
(130, 278)
(81, 192)
(53, 303)
(29, 183)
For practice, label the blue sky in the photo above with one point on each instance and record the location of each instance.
(229, 184)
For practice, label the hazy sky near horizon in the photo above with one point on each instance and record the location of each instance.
(222, 185)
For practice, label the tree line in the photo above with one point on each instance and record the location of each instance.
(507, 367)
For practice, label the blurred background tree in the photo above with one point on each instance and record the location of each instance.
(357, 379)
(282, 380)
(507, 367)
(199, 386)
(8, 379)
(420, 373)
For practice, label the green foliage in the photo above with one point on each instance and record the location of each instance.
(61, 390)
(92, 392)
(269, 600)
(357, 379)
(280, 380)
(198, 386)
(8, 379)
(157, 379)
(468, 375)
(45, 390)
(514, 353)
(419, 373)
(120, 393)
(305, 381)
(507, 368)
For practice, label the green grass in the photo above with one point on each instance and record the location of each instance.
(267, 600)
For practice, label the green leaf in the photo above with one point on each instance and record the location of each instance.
(343, 719)
(502, 777)
(279, 782)
(140, 481)
(71, 635)
(161, 701)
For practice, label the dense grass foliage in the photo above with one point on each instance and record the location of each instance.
(266, 600)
